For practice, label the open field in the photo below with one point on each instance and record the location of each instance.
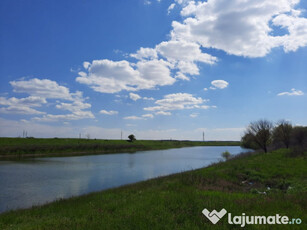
(254, 184)
(22, 147)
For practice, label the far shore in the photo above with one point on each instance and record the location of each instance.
(16, 148)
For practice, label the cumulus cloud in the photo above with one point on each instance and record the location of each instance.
(219, 84)
(243, 28)
(108, 76)
(134, 96)
(110, 112)
(178, 101)
(44, 88)
(181, 76)
(184, 56)
(145, 53)
(15, 105)
(180, 50)
(293, 92)
(73, 107)
(30, 101)
(41, 90)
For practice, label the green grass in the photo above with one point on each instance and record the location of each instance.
(21, 147)
(176, 201)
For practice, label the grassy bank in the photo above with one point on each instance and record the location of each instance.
(22, 147)
(256, 184)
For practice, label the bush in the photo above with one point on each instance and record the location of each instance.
(226, 155)
(131, 138)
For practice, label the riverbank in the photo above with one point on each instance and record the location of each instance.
(254, 184)
(40, 147)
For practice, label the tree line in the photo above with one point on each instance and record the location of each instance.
(264, 134)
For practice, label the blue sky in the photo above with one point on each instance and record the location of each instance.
(157, 69)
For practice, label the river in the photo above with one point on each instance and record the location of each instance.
(40, 180)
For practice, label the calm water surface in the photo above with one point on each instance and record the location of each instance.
(40, 180)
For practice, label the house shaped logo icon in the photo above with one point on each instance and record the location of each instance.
(214, 216)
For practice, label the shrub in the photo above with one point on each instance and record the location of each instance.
(226, 155)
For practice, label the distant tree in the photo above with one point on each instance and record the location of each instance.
(131, 138)
(282, 133)
(226, 155)
(299, 136)
(260, 133)
(247, 141)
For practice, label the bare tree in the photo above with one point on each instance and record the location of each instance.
(282, 133)
(260, 132)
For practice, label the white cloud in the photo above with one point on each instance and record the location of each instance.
(242, 28)
(181, 76)
(134, 96)
(154, 73)
(21, 105)
(73, 107)
(145, 53)
(110, 112)
(184, 55)
(170, 8)
(76, 108)
(177, 101)
(30, 101)
(193, 115)
(175, 50)
(77, 115)
(220, 84)
(108, 76)
(148, 115)
(19, 110)
(86, 64)
(40, 90)
(163, 113)
(44, 88)
(297, 28)
(133, 118)
(293, 92)
(148, 98)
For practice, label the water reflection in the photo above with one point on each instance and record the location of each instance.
(37, 181)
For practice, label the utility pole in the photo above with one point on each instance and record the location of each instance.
(121, 134)
(203, 136)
